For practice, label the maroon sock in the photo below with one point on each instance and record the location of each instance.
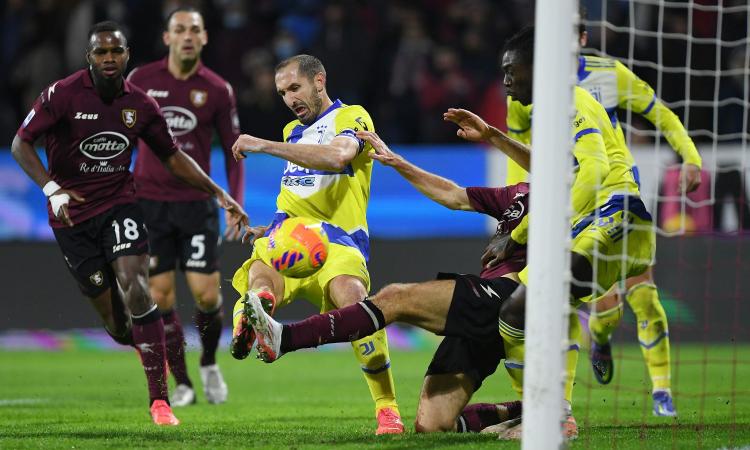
(148, 335)
(209, 329)
(478, 416)
(174, 339)
(342, 325)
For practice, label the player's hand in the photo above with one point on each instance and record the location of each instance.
(59, 201)
(382, 153)
(690, 178)
(237, 216)
(231, 233)
(471, 127)
(253, 233)
(246, 144)
(500, 248)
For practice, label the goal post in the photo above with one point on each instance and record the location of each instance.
(555, 53)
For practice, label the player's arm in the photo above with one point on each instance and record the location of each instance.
(591, 164)
(333, 157)
(435, 187)
(227, 125)
(637, 96)
(474, 128)
(42, 117)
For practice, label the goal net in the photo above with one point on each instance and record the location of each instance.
(681, 349)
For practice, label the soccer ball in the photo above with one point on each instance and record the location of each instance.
(298, 247)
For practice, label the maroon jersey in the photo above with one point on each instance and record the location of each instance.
(192, 107)
(508, 205)
(89, 143)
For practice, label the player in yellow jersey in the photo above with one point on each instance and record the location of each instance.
(327, 177)
(615, 86)
(609, 219)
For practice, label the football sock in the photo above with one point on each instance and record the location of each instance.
(603, 323)
(148, 335)
(513, 341)
(339, 325)
(209, 325)
(374, 359)
(174, 340)
(653, 333)
(571, 357)
(478, 416)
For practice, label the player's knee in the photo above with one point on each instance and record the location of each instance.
(432, 425)
(392, 297)
(164, 299)
(643, 299)
(583, 274)
(512, 311)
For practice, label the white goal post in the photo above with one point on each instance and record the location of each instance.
(555, 53)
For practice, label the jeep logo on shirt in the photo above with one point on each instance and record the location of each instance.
(180, 120)
(104, 145)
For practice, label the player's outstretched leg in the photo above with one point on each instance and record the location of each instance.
(243, 335)
(653, 336)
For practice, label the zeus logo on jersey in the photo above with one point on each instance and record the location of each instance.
(85, 116)
(157, 94)
(180, 120)
(104, 145)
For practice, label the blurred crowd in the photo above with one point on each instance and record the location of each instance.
(405, 61)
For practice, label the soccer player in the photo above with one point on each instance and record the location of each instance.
(91, 121)
(183, 224)
(464, 308)
(615, 86)
(327, 177)
(605, 198)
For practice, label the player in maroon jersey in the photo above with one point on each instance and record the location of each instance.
(464, 308)
(91, 121)
(183, 223)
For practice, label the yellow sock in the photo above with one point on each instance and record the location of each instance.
(653, 332)
(571, 358)
(513, 341)
(602, 324)
(373, 356)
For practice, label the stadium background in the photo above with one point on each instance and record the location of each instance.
(406, 62)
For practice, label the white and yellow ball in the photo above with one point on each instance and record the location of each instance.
(298, 247)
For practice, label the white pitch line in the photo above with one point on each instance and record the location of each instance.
(21, 401)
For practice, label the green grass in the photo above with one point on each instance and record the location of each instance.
(316, 399)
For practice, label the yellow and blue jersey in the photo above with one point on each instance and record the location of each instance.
(614, 86)
(338, 199)
(603, 165)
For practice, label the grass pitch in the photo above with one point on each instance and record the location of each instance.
(93, 399)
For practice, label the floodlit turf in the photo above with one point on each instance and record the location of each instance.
(91, 399)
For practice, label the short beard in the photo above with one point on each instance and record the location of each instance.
(315, 105)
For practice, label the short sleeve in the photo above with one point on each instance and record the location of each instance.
(352, 119)
(490, 201)
(47, 110)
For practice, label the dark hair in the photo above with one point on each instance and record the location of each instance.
(104, 27)
(309, 65)
(187, 9)
(582, 17)
(522, 43)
